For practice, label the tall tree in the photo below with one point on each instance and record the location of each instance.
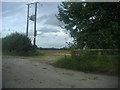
(92, 24)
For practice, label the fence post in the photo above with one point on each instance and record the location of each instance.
(99, 52)
(65, 56)
(73, 54)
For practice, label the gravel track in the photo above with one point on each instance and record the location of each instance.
(37, 72)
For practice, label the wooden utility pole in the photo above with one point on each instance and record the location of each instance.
(27, 20)
(35, 31)
(33, 19)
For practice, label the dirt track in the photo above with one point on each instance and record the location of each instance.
(36, 72)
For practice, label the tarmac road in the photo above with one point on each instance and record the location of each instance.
(36, 72)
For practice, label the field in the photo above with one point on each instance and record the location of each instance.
(55, 52)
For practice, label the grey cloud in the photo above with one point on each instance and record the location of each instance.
(51, 20)
(59, 41)
(11, 8)
(42, 18)
(47, 7)
(48, 30)
(47, 12)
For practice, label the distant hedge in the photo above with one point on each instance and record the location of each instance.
(16, 43)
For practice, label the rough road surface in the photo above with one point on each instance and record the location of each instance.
(37, 72)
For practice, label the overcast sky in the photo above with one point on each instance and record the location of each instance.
(49, 33)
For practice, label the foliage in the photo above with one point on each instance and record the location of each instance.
(16, 43)
(105, 64)
(94, 25)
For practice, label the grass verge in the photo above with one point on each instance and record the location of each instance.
(106, 64)
(29, 53)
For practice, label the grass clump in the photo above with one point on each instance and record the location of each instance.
(107, 64)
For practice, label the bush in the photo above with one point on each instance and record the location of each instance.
(17, 43)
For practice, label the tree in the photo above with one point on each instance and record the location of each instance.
(92, 24)
(16, 43)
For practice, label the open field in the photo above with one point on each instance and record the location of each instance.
(37, 72)
(55, 52)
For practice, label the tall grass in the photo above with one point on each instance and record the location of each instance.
(107, 64)
(28, 53)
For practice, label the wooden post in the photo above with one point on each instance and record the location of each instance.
(35, 24)
(73, 54)
(65, 56)
(99, 52)
(27, 20)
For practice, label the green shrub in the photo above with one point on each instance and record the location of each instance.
(16, 43)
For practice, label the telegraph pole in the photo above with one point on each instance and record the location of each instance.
(35, 31)
(27, 20)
